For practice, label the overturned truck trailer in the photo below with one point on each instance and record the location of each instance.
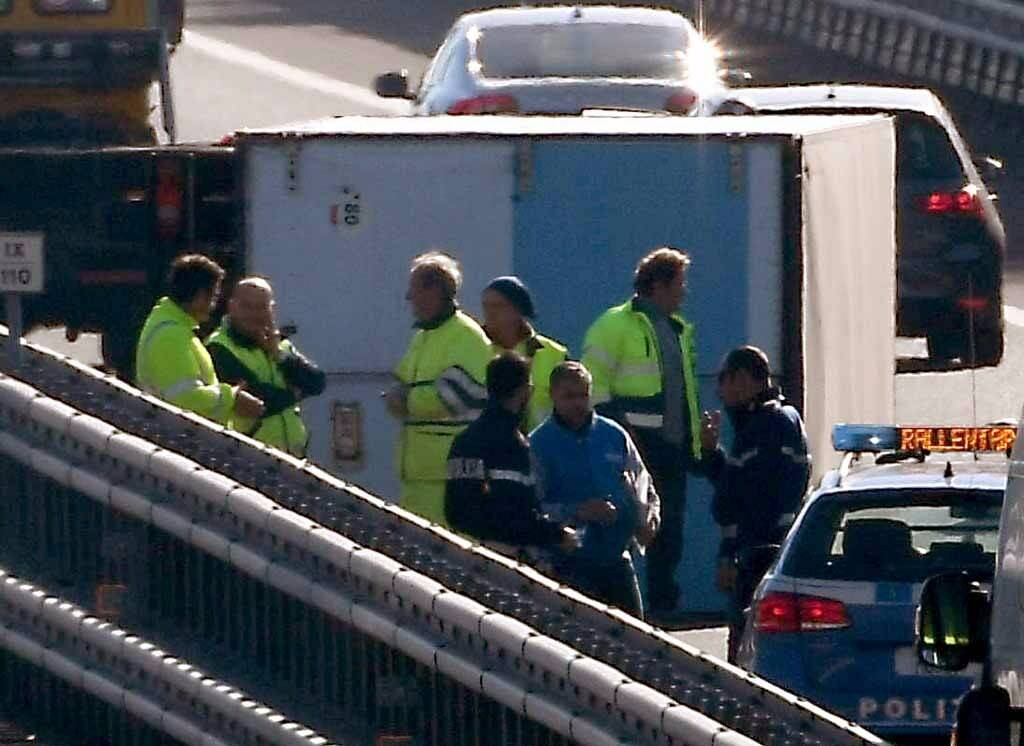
(789, 222)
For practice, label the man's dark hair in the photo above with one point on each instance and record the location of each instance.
(190, 275)
(506, 374)
(748, 358)
(661, 265)
(570, 370)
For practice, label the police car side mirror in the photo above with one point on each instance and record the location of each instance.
(952, 622)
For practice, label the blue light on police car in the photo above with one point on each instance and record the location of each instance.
(865, 438)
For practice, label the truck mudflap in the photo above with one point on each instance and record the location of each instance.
(83, 59)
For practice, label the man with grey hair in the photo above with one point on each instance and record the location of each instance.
(440, 386)
(592, 477)
(248, 350)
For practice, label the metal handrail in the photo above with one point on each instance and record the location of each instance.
(134, 675)
(274, 545)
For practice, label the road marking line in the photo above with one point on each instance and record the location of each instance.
(293, 75)
(1013, 315)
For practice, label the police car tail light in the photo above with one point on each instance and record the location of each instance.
(485, 105)
(822, 613)
(791, 612)
(778, 612)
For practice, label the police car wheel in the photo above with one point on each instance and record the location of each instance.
(984, 718)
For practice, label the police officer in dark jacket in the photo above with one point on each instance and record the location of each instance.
(491, 491)
(759, 483)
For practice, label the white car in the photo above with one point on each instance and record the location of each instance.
(564, 60)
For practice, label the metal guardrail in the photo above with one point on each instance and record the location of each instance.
(106, 665)
(495, 656)
(629, 649)
(968, 45)
(998, 17)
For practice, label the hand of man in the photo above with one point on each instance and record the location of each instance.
(271, 342)
(395, 399)
(710, 430)
(570, 540)
(597, 511)
(726, 576)
(248, 406)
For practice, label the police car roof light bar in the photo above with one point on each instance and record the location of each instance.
(865, 438)
(929, 439)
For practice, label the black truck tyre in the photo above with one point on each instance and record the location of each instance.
(984, 718)
(951, 344)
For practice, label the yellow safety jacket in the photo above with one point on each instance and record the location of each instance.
(284, 429)
(544, 355)
(621, 352)
(445, 369)
(171, 363)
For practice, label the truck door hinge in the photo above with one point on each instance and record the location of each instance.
(736, 167)
(292, 166)
(524, 167)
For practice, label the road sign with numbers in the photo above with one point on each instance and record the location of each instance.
(21, 262)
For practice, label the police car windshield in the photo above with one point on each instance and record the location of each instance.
(896, 535)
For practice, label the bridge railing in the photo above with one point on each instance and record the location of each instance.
(971, 45)
(64, 667)
(295, 545)
(352, 637)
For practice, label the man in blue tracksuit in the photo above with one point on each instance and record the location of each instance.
(591, 476)
(759, 483)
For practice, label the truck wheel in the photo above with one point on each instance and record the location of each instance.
(118, 348)
(950, 344)
(984, 718)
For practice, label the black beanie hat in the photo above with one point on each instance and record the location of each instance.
(515, 292)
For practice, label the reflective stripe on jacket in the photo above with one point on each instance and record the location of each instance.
(283, 429)
(445, 369)
(622, 354)
(171, 363)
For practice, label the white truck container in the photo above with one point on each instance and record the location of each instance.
(789, 222)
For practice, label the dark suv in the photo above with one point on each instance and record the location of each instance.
(951, 240)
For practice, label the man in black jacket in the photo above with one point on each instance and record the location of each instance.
(491, 491)
(760, 483)
(248, 350)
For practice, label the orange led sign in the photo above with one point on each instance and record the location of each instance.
(1000, 438)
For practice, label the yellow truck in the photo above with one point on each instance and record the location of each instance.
(86, 72)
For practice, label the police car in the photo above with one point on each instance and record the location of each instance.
(833, 619)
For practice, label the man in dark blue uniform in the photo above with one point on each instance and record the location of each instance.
(491, 486)
(759, 483)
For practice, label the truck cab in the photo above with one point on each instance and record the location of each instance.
(967, 618)
(81, 72)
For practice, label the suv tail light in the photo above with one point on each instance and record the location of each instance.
(792, 612)
(682, 101)
(169, 199)
(485, 105)
(962, 202)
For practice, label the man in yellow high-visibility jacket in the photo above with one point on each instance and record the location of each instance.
(171, 361)
(508, 308)
(641, 356)
(247, 349)
(441, 382)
